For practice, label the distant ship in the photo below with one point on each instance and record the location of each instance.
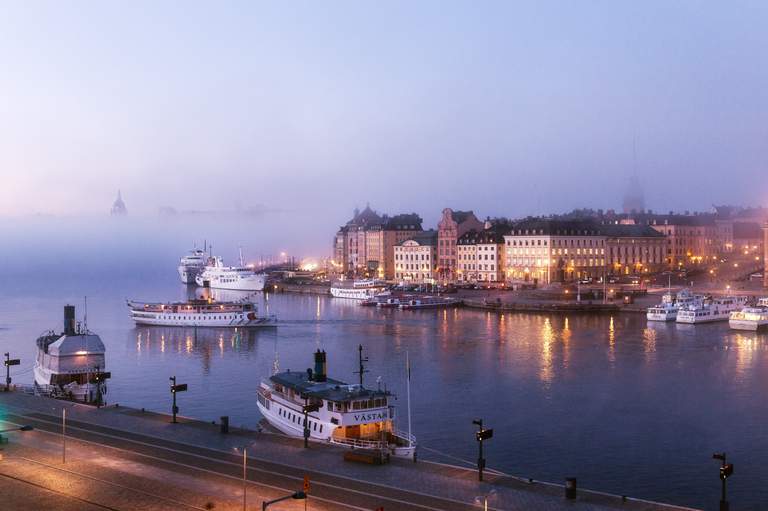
(339, 413)
(71, 364)
(239, 278)
(192, 265)
(200, 313)
(358, 289)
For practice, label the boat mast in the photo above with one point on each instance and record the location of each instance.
(408, 394)
(361, 360)
(240, 248)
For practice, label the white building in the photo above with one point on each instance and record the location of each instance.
(416, 258)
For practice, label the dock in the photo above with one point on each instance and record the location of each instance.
(122, 458)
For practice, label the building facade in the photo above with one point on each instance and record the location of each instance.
(544, 251)
(765, 254)
(452, 225)
(481, 255)
(634, 249)
(691, 239)
(364, 246)
(416, 258)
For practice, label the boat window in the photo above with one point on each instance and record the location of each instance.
(330, 406)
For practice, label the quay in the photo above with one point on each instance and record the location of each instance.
(121, 458)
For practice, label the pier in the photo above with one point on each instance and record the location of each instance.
(122, 458)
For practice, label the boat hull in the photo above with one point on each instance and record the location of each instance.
(259, 322)
(749, 325)
(255, 283)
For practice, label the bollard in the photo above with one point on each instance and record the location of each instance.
(570, 488)
(225, 424)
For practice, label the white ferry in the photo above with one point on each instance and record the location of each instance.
(711, 309)
(238, 278)
(200, 313)
(71, 364)
(338, 413)
(358, 289)
(750, 318)
(669, 306)
(191, 265)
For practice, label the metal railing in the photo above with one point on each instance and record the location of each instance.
(361, 444)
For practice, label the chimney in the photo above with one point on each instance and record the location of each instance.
(69, 320)
(320, 366)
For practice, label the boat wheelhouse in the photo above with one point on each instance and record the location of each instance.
(327, 410)
(200, 313)
(71, 364)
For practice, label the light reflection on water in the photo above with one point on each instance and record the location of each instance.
(608, 398)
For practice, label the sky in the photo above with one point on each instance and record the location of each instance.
(307, 110)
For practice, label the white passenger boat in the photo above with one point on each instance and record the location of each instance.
(750, 318)
(200, 313)
(192, 265)
(670, 304)
(239, 278)
(71, 364)
(308, 402)
(358, 289)
(711, 309)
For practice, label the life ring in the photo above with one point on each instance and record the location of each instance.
(251, 316)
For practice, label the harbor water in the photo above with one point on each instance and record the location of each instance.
(625, 406)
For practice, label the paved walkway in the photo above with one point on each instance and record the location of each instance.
(279, 463)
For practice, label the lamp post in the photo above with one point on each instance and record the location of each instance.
(245, 478)
(299, 495)
(181, 387)
(8, 363)
(726, 470)
(480, 436)
(63, 435)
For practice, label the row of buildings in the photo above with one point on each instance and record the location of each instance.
(541, 250)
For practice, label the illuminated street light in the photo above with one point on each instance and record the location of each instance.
(299, 495)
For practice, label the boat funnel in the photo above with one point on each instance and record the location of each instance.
(69, 320)
(320, 366)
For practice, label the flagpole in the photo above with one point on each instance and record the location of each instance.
(408, 393)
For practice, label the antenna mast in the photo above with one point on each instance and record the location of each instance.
(362, 360)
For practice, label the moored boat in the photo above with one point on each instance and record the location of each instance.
(429, 302)
(670, 304)
(710, 310)
(216, 275)
(751, 318)
(358, 289)
(191, 265)
(71, 364)
(200, 313)
(326, 410)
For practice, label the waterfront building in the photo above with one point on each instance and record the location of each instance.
(452, 225)
(542, 251)
(416, 258)
(480, 255)
(748, 238)
(364, 246)
(118, 207)
(633, 249)
(691, 239)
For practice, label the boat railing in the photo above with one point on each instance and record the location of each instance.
(404, 435)
(359, 443)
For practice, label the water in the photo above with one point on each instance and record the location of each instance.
(626, 407)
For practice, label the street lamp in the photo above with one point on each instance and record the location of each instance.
(299, 495)
(726, 470)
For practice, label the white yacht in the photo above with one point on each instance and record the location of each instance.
(358, 289)
(200, 313)
(711, 309)
(670, 304)
(71, 364)
(750, 318)
(191, 265)
(239, 278)
(338, 413)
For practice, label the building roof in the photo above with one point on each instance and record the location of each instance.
(461, 216)
(423, 238)
(403, 222)
(548, 227)
(494, 234)
(630, 231)
(330, 390)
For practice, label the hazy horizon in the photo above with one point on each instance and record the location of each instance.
(306, 111)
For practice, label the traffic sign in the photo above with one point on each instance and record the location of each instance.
(181, 387)
(13, 362)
